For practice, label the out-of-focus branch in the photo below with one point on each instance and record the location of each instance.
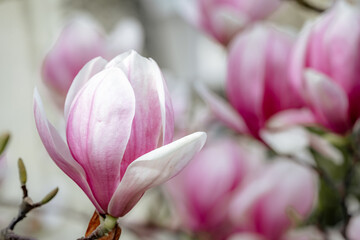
(310, 6)
(25, 207)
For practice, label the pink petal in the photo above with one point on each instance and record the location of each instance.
(59, 151)
(261, 206)
(99, 127)
(222, 110)
(326, 149)
(245, 79)
(242, 204)
(202, 190)
(291, 117)
(278, 93)
(167, 111)
(153, 122)
(286, 141)
(272, 219)
(299, 60)
(90, 69)
(328, 101)
(152, 169)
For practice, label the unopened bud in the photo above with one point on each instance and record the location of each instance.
(49, 196)
(22, 172)
(4, 139)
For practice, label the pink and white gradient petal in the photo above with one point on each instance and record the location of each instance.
(99, 127)
(152, 169)
(59, 152)
(222, 110)
(90, 69)
(327, 100)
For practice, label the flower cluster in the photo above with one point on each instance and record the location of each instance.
(282, 160)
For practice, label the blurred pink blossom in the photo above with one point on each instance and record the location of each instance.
(119, 129)
(262, 207)
(202, 191)
(258, 84)
(80, 41)
(326, 66)
(222, 19)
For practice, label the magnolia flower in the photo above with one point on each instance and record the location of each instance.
(82, 40)
(119, 128)
(202, 191)
(222, 19)
(258, 86)
(263, 206)
(325, 67)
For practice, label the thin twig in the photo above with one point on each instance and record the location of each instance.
(98, 233)
(25, 207)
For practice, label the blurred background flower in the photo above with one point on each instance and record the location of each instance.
(325, 67)
(81, 40)
(203, 190)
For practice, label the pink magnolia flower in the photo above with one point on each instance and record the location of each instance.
(222, 19)
(202, 191)
(119, 128)
(262, 206)
(326, 67)
(258, 86)
(82, 40)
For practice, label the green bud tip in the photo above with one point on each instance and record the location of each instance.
(22, 172)
(110, 223)
(4, 139)
(49, 196)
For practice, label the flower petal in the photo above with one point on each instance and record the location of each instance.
(326, 149)
(99, 127)
(286, 141)
(246, 61)
(291, 117)
(58, 150)
(153, 106)
(222, 110)
(152, 169)
(299, 60)
(261, 205)
(90, 69)
(328, 101)
(167, 112)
